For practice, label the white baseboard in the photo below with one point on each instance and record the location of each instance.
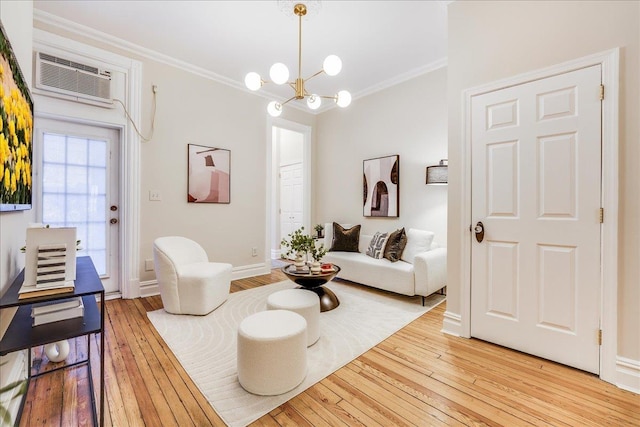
(150, 288)
(452, 324)
(628, 374)
(14, 368)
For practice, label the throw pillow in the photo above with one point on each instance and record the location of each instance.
(345, 240)
(376, 247)
(418, 241)
(395, 245)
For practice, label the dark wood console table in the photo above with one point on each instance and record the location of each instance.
(22, 336)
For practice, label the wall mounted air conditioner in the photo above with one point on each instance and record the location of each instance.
(80, 81)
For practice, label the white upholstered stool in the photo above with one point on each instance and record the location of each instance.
(272, 352)
(303, 302)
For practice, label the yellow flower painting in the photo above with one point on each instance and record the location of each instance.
(16, 132)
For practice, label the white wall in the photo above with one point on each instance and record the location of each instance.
(409, 119)
(492, 40)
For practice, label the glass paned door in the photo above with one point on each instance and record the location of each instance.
(78, 188)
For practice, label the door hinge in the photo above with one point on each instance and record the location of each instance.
(599, 336)
(601, 92)
(601, 215)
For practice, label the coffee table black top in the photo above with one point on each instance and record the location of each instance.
(307, 279)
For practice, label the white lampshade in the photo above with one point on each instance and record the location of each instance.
(274, 109)
(314, 102)
(253, 81)
(343, 99)
(332, 65)
(279, 73)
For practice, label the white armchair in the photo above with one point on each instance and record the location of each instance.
(189, 283)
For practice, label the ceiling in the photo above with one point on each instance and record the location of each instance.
(380, 42)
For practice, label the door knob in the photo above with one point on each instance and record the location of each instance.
(114, 208)
(479, 230)
(113, 221)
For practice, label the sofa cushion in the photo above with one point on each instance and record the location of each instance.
(377, 245)
(417, 241)
(345, 240)
(396, 277)
(395, 245)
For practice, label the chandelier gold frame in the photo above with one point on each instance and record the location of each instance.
(280, 74)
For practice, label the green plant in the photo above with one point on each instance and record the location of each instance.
(5, 417)
(318, 228)
(317, 252)
(298, 242)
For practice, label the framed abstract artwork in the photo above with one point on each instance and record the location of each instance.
(16, 132)
(209, 174)
(381, 187)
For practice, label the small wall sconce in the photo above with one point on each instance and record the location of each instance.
(438, 174)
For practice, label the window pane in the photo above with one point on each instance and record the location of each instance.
(76, 208)
(76, 179)
(97, 153)
(54, 148)
(77, 151)
(97, 181)
(54, 212)
(53, 178)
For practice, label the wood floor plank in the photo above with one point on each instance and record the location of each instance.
(418, 376)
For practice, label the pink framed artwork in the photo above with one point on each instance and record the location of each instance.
(209, 174)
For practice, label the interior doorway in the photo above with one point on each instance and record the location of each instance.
(290, 201)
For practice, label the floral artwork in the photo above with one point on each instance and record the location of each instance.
(381, 187)
(209, 174)
(16, 132)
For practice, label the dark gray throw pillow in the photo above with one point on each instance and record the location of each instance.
(345, 240)
(395, 245)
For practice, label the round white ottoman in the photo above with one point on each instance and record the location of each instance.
(303, 302)
(272, 352)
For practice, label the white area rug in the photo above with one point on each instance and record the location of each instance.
(206, 345)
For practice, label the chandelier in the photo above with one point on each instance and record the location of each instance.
(279, 74)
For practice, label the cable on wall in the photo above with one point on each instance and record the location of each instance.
(154, 88)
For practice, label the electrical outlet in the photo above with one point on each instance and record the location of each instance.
(254, 251)
(155, 196)
(148, 265)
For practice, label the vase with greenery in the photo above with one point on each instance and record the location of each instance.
(319, 229)
(317, 252)
(297, 244)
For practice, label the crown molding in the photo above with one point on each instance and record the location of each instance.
(118, 43)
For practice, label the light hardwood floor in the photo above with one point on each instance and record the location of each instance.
(417, 377)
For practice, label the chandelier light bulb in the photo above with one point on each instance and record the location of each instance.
(253, 81)
(279, 73)
(274, 109)
(314, 102)
(343, 99)
(332, 65)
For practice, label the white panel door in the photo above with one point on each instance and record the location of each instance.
(291, 199)
(536, 173)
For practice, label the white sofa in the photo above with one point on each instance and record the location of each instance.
(426, 275)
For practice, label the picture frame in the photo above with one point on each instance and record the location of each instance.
(16, 132)
(381, 187)
(209, 174)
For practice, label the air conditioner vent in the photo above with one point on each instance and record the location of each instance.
(72, 78)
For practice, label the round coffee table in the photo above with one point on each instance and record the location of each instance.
(313, 282)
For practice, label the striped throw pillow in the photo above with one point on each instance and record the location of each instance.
(376, 247)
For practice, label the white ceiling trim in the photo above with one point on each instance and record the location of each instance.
(118, 43)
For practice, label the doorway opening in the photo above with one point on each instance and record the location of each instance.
(290, 172)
